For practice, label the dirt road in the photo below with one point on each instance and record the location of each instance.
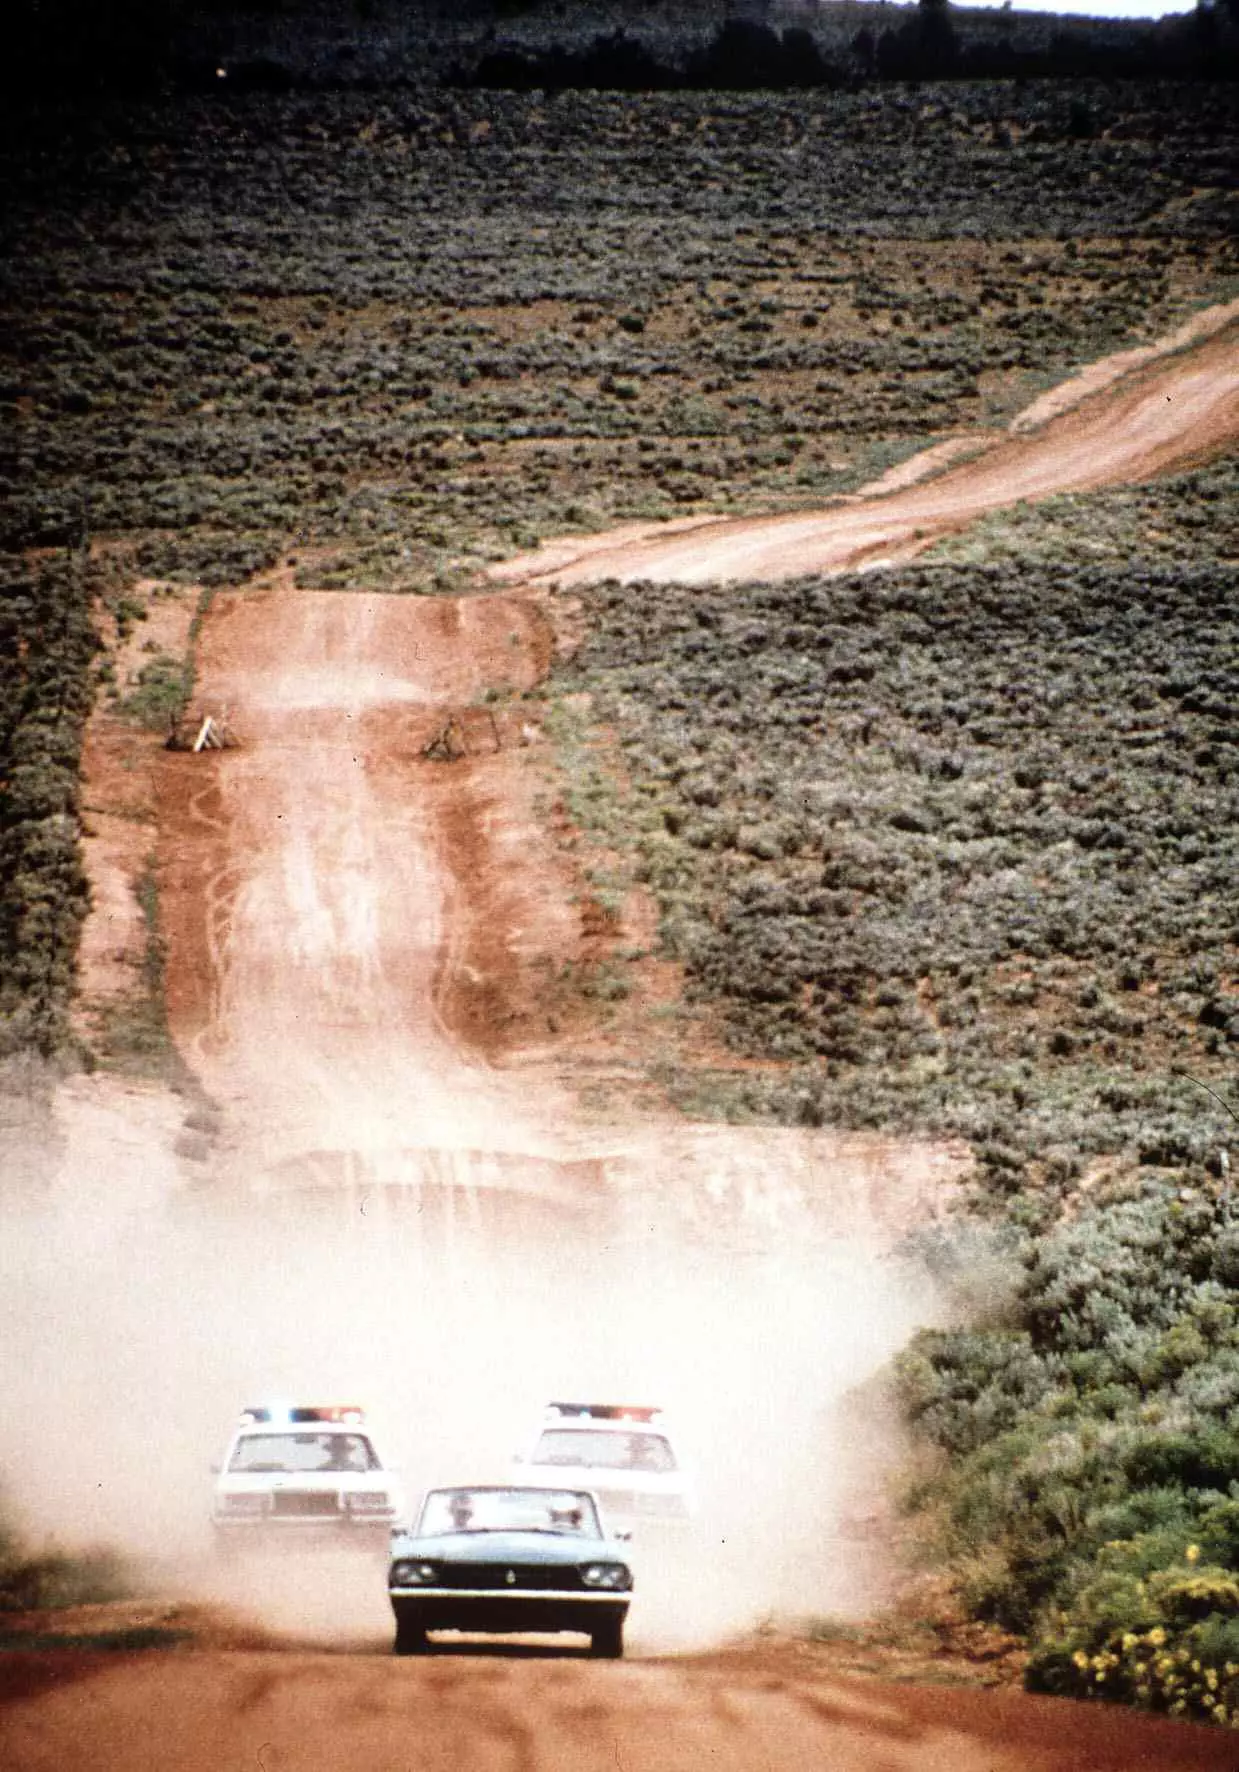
(1138, 415)
(196, 1712)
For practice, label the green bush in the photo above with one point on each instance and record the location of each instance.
(53, 1578)
(48, 642)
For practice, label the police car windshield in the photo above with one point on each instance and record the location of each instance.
(599, 1449)
(509, 1510)
(302, 1451)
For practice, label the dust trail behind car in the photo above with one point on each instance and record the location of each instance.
(135, 1326)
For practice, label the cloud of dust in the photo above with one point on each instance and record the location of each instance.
(135, 1325)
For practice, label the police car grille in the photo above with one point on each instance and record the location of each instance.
(656, 1504)
(488, 1576)
(300, 1503)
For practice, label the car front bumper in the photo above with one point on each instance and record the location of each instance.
(496, 1611)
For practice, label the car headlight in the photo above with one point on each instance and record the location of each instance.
(242, 1504)
(373, 1501)
(405, 1574)
(613, 1575)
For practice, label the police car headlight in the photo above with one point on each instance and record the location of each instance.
(613, 1575)
(406, 1574)
(375, 1501)
(242, 1505)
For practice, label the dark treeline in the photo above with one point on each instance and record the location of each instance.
(79, 48)
(746, 56)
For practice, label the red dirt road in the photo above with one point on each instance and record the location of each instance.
(1163, 411)
(769, 1712)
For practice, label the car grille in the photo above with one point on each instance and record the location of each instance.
(305, 1504)
(641, 1501)
(485, 1577)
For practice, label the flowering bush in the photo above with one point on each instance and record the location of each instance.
(1168, 1641)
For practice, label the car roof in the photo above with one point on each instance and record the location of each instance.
(509, 1489)
(267, 1428)
(576, 1424)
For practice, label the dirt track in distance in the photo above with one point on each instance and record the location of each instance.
(1136, 415)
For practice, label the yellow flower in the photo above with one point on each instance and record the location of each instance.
(1157, 1636)
(1080, 1658)
(1130, 1639)
(1193, 1553)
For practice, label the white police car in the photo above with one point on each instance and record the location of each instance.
(298, 1473)
(623, 1452)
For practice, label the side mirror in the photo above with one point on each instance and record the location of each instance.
(623, 1536)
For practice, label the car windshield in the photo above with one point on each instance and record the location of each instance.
(597, 1449)
(509, 1510)
(303, 1451)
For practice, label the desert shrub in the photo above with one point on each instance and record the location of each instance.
(923, 847)
(48, 639)
(1167, 1641)
(160, 694)
(1091, 1498)
(927, 838)
(48, 1577)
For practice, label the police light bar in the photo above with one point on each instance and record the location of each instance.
(604, 1411)
(286, 1414)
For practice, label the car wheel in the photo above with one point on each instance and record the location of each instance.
(606, 1640)
(411, 1637)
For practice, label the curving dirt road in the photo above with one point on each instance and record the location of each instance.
(1134, 416)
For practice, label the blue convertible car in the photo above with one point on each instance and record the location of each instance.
(497, 1559)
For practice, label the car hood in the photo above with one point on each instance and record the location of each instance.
(552, 1548)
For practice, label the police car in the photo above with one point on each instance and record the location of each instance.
(623, 1452)
(294, 1474)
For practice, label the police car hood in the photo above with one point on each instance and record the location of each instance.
(555, 1549)
(243, 1482)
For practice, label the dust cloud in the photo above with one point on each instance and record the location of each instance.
(137, 1318)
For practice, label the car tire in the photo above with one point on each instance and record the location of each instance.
(606, 1640)
(411, 1637)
